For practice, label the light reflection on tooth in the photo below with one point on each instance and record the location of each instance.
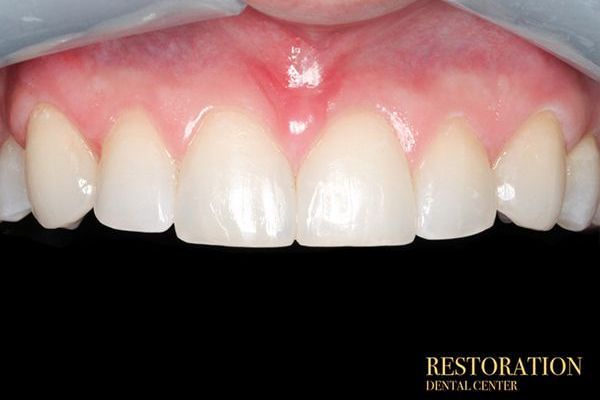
(454, 185)
(14, 203)
(136, 179)
(583, 185)
(530, 173)
(354, 188)
(60, 169)
(236, 188)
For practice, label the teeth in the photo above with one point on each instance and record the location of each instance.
(454, 185)
(530, 174)
(236, 188)
(583, 186)
(14, 204)
(61, 169)
(354, 188)
(136, 179)
(73, 225)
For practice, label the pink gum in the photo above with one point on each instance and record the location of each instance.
(417, 66)
(3, 127)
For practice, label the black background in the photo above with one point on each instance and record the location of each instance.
(502, 243)
(167, 316)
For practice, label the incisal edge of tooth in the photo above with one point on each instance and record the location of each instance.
(136, 177)
(583, 186)
(454, 185)
(14, 203)
(354, 188)
(530, 173)
(236, 188)
(60, 169)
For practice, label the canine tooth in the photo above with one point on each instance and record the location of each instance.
(136, 177)
(14, 203)
(60, 169)
(583, 186)
(236, 188)
(454, 185)
(530, 173)
(354, 188)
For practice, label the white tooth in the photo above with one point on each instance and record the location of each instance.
(14, 204)
(354, 188)
(583, 186)
(236, 188)
(454, 185)
(136, 178)
(596, 220)
(60, 169)
(73, 225)
(530, 173)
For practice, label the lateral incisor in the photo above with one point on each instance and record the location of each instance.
(454, 185)
(137, 177)
(60, 169)
(530, 173)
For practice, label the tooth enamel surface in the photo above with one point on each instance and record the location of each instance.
(354, 188)
(60, 169)
(530, 173)
(596, 220)
(583, 186)
(454, 185)
(136, 178)
(236, 188)
(14, 203)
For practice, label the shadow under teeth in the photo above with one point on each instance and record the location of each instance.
(506, 237)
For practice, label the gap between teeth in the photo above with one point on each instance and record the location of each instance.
(235, 187)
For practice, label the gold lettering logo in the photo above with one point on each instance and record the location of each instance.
(473, 373)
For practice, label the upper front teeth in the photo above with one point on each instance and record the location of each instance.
(455, 189)
(530, 173)
(137, 177)
(60, 167)
(235, 187)
(354, 188)
(583, 185)
(14, 203)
